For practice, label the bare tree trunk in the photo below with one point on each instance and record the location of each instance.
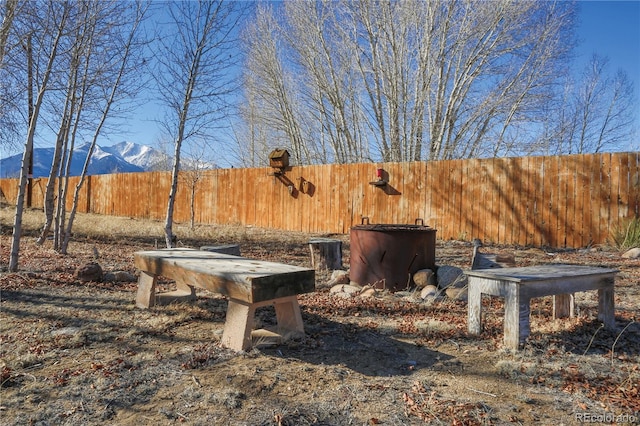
(192, 69)
(124, 68)
(28, 148)
(9, 13)
(54, 173)
(168, 225)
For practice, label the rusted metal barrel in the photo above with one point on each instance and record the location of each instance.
(387, 255)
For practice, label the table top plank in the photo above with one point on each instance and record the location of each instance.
(238, 277)
(540, 272)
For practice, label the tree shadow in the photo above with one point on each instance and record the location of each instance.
(592, 338)
(366, 351)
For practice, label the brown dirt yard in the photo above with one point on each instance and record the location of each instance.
(81, 353)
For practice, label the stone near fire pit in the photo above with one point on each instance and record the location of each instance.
(423, 278)
(633, 253)
(339, 277)
(91, 271)
(429, 292)
(450, 275)
(349, 289)
(457, 293)
(368, 291)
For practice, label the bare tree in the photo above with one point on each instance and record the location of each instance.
(124, 50)
(604, 109)
(407, 80)
(271, 87)
(9, 7)
(593, 113)
(77, 65)
(57, 14)
(317, 35)
(102, 46)
(9, 93)
(192, 172)
(194, 62)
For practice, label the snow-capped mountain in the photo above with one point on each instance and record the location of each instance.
(143, 156)
(124, 157)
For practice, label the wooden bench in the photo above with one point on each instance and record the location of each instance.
(248, 284)
(519, 285)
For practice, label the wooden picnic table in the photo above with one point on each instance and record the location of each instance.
(519, 285)
(247, 283)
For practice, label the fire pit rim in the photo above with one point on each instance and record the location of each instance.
(386, 227)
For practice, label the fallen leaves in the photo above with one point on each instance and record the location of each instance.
(428, 406)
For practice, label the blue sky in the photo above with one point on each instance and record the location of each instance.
(611, 28)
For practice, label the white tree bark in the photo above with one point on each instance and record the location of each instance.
(406, 80)
(59, 16)
(192, 75)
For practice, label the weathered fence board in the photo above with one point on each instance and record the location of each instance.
(571, 201)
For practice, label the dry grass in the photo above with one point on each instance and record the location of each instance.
(81, 353)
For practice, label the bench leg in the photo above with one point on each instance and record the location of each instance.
(241, 315)
(606, 312)
(289, 317)
(563, 306)
(146, 296)
(238, 325)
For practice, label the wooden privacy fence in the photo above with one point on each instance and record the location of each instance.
(563, 201)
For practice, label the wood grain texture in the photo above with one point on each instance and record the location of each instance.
(236, 277)
(519, 285)
(565, 201)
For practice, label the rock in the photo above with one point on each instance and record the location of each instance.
(450, 275)
(368, 292)
(457, 293)
(423, 278)
(119, 276)
(633, 253)
(429, 292)
(92, 271)
(339, 277)
(345, 288)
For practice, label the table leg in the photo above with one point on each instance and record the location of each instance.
(146, 296)
(606, 312)
(474, 315)
(516, 317)
(563, 305)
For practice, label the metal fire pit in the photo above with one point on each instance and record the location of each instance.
(387, 255)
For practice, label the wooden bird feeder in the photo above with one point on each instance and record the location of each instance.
(279, 159)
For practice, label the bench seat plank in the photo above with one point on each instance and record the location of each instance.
(238, 278)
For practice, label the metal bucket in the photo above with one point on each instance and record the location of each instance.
(387, 255)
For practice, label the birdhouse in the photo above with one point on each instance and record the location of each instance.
(279, 159)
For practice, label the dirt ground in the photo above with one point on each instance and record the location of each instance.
(81, 353)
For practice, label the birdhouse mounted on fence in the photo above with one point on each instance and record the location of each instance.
(279, 159)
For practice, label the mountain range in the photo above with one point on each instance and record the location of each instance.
(123, 157)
